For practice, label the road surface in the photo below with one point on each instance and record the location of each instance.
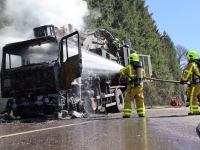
(161, 129)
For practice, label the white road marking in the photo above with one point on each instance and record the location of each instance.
(32, 131)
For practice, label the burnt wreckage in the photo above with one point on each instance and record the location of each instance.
(45, 76)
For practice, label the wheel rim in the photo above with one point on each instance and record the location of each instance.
(119, 100)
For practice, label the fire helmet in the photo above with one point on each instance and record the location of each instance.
(192, 55)
(133, 57)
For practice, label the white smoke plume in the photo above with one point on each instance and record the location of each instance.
(28, 14)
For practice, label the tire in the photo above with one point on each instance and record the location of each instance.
(88, 105)
(119, 100)
(93, 105)
(119, 107)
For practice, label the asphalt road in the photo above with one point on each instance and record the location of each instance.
(161, 129)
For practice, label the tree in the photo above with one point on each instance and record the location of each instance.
(181, 52)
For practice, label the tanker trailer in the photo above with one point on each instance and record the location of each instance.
(99, 83)
(103, 85)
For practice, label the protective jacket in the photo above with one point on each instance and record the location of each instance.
(192, 74)
(133, 91)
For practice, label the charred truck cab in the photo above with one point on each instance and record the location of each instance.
(34, 73)
(45, 76)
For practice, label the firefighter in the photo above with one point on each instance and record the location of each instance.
(134, 87)
(192, 74)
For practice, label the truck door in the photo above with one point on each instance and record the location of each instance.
(70, 59)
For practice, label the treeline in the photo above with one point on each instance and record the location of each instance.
(131, 20)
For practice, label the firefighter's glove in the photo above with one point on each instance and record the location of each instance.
(181, 81)
(123, 80)
(132, 82)
(137, 84)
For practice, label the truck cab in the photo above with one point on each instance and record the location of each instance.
(35, 71)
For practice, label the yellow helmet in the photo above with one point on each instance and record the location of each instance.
(192, 55)
(133, 57)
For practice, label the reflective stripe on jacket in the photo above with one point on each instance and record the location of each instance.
(190, 71)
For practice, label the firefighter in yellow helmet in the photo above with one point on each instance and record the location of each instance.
(134, 89)
(192, 74)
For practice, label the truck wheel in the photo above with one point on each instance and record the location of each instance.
(97, 98)
(119, 100)
(119, 107)
(92, 104)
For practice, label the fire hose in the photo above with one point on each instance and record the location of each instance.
(154, 79)
(173, 102)
(161, 80)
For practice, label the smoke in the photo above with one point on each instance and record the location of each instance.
(33, 13)
(28, 14)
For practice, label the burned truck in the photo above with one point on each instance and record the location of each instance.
(45, 76)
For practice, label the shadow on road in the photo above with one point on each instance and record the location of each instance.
(169, 116)
(198, 132)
